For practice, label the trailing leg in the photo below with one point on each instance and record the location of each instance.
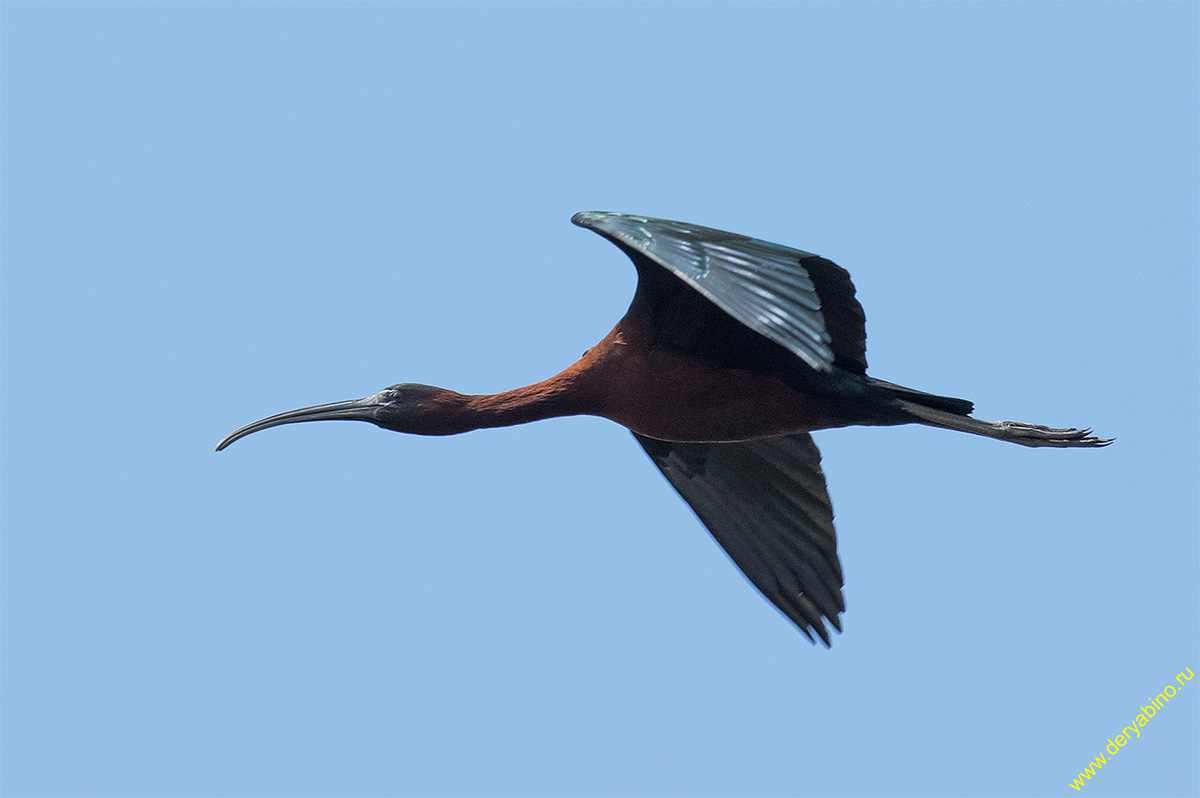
(1011, 431)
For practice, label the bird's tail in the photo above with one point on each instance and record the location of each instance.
(950, 413)
(960, 407)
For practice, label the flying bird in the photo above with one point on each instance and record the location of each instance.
(732, 351)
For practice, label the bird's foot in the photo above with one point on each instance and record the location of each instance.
(1039, 435)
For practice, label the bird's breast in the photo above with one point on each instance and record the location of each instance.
(672, 397)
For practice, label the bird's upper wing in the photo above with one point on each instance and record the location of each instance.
(796, 299)
(765, 502)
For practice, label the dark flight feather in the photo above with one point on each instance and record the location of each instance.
(765, 503)
(794, 298)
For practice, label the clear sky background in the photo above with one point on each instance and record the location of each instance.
(216, 211)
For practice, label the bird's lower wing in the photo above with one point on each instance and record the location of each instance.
(765, 502)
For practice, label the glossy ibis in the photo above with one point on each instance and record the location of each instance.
(731, 352)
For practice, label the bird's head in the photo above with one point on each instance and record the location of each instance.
(410, 407)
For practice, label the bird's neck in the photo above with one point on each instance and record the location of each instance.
(579, 390)
(560, 395)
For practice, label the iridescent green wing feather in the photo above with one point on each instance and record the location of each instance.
(795, 298)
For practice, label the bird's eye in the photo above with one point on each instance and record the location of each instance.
(389, 394)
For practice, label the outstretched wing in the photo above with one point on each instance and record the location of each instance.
(797, 299)
(765, 502)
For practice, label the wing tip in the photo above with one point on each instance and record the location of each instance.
(823, 632)
(593, 220)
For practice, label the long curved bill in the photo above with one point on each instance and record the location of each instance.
(349, 410)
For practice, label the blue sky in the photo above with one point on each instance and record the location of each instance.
(216, 211)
